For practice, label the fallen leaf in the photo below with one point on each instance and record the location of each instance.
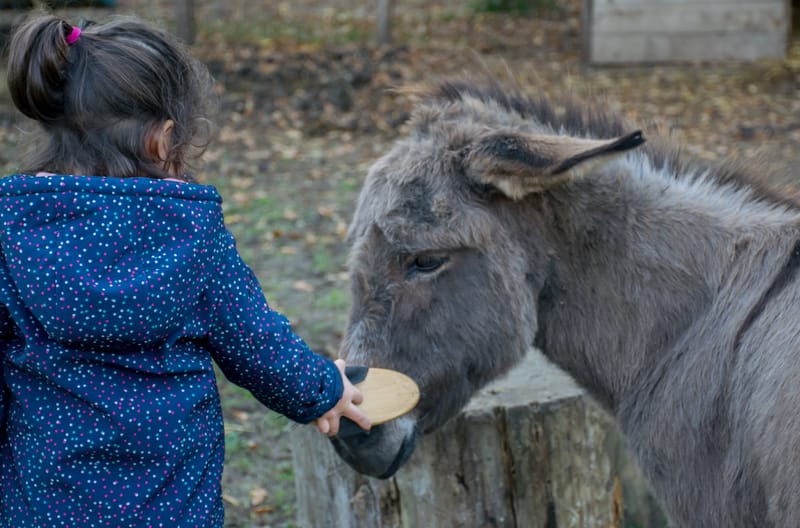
(341, 230)
(258, 496)
(241, 198)
(234, 428)
(303, 286)
(239, 182)
(230, 499)
(326, 211)
(256, 155)
(242, 416)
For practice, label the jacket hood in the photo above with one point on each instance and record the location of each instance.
(108, 261)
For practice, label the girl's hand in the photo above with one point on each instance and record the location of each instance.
(328, 423)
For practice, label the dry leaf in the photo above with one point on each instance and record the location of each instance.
(239, 182)
(242, 416)
(326, 211)
(258, 496)
(303, 286)
(241, 197)
(256, 155)
(230, 499)
(233, 219)
(341, 230)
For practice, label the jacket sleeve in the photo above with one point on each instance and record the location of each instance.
(6, 329)
(6, 323)
(6, 332)
(5, 337)
(256, 348)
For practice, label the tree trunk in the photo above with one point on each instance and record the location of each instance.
(529, 451)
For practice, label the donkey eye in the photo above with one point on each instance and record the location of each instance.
(426, 264)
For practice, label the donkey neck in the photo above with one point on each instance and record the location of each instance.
(641, 255)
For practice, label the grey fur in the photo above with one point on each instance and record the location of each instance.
(667, 289)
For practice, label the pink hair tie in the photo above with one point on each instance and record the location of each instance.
(73, 35)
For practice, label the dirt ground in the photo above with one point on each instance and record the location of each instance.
(306, 104)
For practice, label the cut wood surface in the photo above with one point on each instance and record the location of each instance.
(530, 450)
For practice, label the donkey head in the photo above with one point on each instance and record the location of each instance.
(449, 251)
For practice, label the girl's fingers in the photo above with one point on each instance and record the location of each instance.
(354, 413)
(348, 407)
(323, 425)
(358, 397)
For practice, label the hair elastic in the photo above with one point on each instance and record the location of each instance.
(73, 35)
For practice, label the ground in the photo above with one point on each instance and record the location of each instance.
(306, 103)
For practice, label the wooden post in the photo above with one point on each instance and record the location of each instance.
(529, 451)
(384, 21)
(184, 20)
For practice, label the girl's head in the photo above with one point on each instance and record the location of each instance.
(118, 99)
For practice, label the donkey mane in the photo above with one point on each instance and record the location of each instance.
(570, 115)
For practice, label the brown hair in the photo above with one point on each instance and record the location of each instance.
(101, 99)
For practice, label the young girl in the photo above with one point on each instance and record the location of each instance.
(118, 286)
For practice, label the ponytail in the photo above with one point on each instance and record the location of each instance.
(37, 65)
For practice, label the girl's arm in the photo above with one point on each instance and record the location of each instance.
(256, 348)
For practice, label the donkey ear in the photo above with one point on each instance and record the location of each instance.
(518, 164)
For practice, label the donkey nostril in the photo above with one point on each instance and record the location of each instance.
(351, 431)
(379, 452)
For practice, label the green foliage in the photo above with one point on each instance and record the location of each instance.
(323, 260)
(235, 443)
(336, 300)
(515, 6)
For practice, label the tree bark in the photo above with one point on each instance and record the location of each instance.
(529, 451)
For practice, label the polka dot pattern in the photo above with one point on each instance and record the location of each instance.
(115, 296)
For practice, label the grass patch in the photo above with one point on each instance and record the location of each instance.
(335, 300)
(274, 28)
(324, 261)
(516, 6)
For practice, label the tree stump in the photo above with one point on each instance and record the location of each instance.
(531, 450)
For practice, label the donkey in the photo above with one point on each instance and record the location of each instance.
(665, 287)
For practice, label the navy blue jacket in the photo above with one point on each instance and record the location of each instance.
(115, 296)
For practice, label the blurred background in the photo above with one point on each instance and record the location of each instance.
(306, 103)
